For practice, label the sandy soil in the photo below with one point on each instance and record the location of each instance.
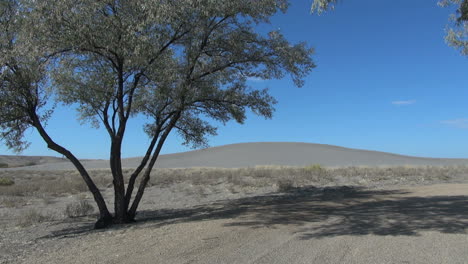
(419, 224)
(399, 219)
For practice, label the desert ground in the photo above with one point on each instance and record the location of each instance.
(326, 204)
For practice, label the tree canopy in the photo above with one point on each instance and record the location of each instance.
(115, 60)
(457, 35)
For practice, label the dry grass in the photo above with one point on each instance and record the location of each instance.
(53, 183)
(12, 201)
(57, 183)
(291, 177)
(6, 181)
(79, 208)
(285, 185)
(46, 187)
(32, 217)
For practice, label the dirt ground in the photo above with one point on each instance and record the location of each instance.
(417, 224)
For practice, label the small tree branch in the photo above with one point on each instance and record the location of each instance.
(105, 119)
(134, 176)
(144, 181)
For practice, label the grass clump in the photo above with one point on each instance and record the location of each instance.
(314, 167)
(6, 181)
(78, 209)
(285, 185)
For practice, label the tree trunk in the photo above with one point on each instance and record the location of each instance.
(146, 176)
(133, 177)
(120, 209)
(105, 218)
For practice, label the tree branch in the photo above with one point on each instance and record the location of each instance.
(144, 182)
(84, 174)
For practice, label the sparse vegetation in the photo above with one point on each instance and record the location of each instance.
(12, 201)
(32, 217)
(3, 165)
(6, 181)
(290, 177)
(46, 188)
(57, 183)
(79, 208)
(285, 185)
(54, 183)
(315, 168)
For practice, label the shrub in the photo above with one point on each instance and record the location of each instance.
(31, 163)
(285, 185)
(3, 165)
(6, 181)
(79, 208)
(317, 168)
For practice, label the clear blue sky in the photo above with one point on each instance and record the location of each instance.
(386, 80)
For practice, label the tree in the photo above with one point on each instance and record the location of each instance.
(24, 92)
(320, 6)
(457, 36)
(119, 59)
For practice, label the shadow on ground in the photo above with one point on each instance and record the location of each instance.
(322, 212)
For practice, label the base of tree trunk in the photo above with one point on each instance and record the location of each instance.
(105, 222)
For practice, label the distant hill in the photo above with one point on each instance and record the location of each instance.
(21, 161)
(261, 153)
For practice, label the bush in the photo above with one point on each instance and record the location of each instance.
(315, 168)
(3, 165)
(31, 163)
(6, 181)
(79, 208)
(285, 185)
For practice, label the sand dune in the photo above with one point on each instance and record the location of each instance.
(269, 153)
(20, 161)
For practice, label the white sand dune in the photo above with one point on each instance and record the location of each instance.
(269, 153)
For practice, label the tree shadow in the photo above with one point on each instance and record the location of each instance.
(404, 216)
(322, 212)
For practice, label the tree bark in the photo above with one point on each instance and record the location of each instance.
(115, 160)
(120, 209)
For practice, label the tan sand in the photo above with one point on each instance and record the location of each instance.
(424, 224)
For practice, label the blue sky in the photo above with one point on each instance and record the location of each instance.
(386, 80)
